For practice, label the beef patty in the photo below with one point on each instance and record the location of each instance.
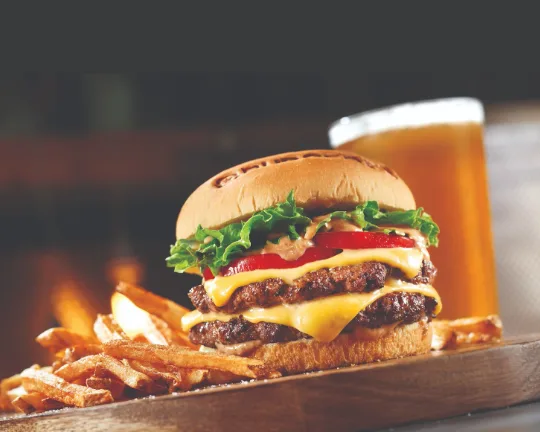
(358, 278)
(395, 307)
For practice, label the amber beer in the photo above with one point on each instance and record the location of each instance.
(437, 148)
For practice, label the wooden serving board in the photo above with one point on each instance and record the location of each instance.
(385, 394)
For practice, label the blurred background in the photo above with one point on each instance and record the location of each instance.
(95, 167)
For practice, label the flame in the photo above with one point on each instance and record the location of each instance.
(127, 269)
(131, 318)
(73, 308)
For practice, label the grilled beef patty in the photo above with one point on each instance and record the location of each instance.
(395, 307)
(358, 278)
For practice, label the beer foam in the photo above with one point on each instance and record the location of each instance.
(408, 115)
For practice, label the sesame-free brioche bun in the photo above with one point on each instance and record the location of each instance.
(347, 349)
(321, 179)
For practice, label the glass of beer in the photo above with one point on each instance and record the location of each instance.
(437, 148)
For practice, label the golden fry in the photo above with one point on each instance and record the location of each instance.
(6, 385)
(106, 329)
(466, 331)
(108, 365)
(171, 336)
(56, 388)
(115, 386)
(35, 402)
(194, 377)
(167, 310)
(77, 352)
(58, 338)
(82, 368)
(23, 406)
(173, 381)
(185, 358)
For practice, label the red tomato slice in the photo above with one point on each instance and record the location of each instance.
(361, 240)
(271, 261)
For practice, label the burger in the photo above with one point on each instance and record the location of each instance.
(309, 260)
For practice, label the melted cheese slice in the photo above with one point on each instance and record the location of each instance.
(409, 261)
(323, 319)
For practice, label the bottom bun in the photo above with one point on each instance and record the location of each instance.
(348, 349)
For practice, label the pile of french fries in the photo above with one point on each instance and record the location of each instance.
(159, 359)
(111, 366)
(466, 331)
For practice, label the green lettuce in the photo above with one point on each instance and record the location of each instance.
(217, 248)
(214, 249)
(368, 216)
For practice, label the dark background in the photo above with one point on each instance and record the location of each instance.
(94, 169)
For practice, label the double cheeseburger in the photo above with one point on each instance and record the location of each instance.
(310, 260)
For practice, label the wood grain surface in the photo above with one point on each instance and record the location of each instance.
(429, 387)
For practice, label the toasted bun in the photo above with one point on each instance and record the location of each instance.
(321, 179)
(347, 349)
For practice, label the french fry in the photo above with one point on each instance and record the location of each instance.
(115, 386)
(80, 369)
(106, 329)
(171, 336)
(173, 381)
(35, 402)
(140, 351)
(194, 377)
(16, 392)
(58, 338)
(56, 388)
(110, 366)
(185, 358)
(184, 338)
(466, 331)
(216, 377)
(21, 405)
(104, 366)
(6, 385)
(152, 333)
(163, 308)
(77, 352)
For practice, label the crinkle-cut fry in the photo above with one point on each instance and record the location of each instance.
(115, 386)
(166, 309)
(58, 338)
(107, 329)
(185, 358)
(81, 368)
(54, 387)
(7, 385)
(466, 331)
(77, 352)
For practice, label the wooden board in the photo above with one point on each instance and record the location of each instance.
(429, 387)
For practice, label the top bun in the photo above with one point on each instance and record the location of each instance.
(321, 179)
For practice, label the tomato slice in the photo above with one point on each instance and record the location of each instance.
(271, 261)
(361, 240)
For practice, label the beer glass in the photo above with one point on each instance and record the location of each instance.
(437, 148)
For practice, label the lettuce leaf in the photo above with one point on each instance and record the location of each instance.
(217, 248)
(368, 216)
